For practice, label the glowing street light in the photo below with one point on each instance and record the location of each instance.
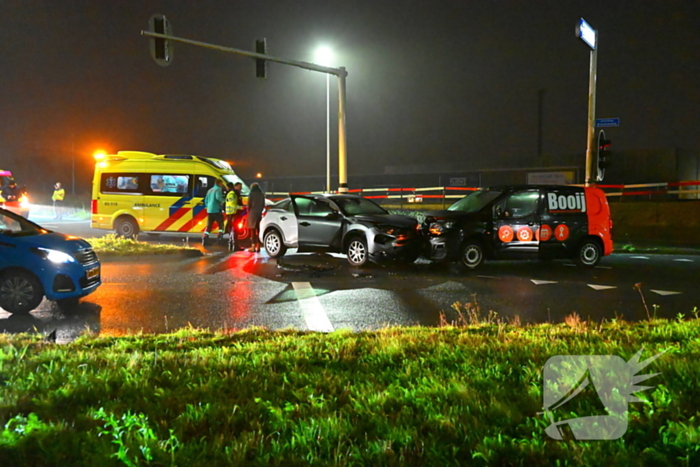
(324, 56)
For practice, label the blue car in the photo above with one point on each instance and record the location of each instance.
(37, 263)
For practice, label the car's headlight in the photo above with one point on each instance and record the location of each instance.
(439, 228)
(388, 229)
(54, 256)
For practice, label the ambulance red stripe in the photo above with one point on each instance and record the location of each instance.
(197, 218)
(172, 219)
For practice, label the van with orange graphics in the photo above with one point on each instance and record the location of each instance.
(521, 222)
(136, 192)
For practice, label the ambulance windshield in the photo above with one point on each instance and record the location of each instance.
(475, 201)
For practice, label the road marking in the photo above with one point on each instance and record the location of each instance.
(569, 265)
(639, 257)
(536, 282)
(603, 267)
(488, 277)
(314, 314)
(684, 260)
(666, 292)
(601, 287)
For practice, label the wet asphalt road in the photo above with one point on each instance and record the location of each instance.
(322, 292)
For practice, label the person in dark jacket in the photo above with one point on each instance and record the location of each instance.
(256, 206)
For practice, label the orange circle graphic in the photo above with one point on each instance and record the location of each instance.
(524, 234)
(561, 232)
(544, 233)
(505, 233)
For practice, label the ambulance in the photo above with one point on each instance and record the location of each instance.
(136, 192)
(521, 222)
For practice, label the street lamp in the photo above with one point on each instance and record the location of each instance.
(324, 56)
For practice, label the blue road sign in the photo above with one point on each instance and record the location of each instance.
(606, 122)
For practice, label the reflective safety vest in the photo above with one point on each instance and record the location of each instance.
(233, 202)
(59, 194)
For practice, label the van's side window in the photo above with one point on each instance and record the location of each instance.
(121, 183)
(202, 184)
(169, 185)
(517, 205)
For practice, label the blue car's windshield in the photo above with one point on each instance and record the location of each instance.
(13, 225)
(475, 201)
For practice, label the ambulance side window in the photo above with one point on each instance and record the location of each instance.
(121, 183)
(202, 184)
(169, 185)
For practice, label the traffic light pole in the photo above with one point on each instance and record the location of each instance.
(340, 72)
(590, 147)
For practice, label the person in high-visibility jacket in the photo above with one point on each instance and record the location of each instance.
(58, 196)
(234, 209)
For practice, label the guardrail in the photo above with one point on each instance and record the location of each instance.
(440, 194)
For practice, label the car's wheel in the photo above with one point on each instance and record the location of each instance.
(20, 292)
(588, 253)
(274, 244)
(471, 254)
(126, 227)
(357, 251)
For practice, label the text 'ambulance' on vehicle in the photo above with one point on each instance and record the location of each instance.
(136, 192)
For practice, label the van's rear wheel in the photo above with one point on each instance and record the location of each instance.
(126, 227)
(471, 255)
(588, 253)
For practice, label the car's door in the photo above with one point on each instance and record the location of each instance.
(282, 214)
(320, 224)
(516, 224)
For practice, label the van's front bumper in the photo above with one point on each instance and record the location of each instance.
(441, 248)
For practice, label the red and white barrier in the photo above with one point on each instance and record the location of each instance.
(418, 195)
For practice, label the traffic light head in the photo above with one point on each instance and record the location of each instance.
(603, 151)
(161, 49)
(261, 64)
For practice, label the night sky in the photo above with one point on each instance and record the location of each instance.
(430, 82)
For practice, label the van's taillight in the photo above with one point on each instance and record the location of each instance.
(93, 206)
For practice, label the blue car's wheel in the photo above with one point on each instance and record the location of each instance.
(20, 292)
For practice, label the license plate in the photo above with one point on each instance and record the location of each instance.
(92, 273)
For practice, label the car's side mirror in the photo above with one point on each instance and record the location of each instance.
(498, 212)
(333, 215)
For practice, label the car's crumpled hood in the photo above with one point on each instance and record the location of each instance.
(450, 215)
(395, 220)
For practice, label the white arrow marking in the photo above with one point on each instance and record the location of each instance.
(536, 282)
(601, 287)
(684, 260)
(314, 314)
(666, 292)
(639, 257)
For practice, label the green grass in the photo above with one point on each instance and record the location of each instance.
(111, 245)
(453, 395)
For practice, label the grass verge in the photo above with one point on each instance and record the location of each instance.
(111, 245)
(453, 395)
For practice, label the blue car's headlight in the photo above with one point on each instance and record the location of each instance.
(54, 256)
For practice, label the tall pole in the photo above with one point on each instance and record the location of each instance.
(328, 133)
(73, 164)
(342, 143)
(591, 113)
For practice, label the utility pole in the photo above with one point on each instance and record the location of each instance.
(590, 37)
